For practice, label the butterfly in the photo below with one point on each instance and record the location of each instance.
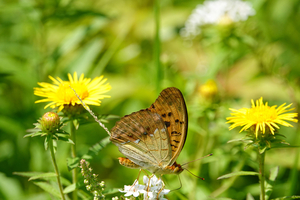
(153, 138)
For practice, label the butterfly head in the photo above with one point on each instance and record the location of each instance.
(174, 169)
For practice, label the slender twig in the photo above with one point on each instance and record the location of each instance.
(55, 167)
(73, 153)
(91, 113)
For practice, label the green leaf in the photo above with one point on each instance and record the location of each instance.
(43, 176)
(48, 188)
(240, 173)
(73, 163)
(235, 140)
(111, 191)
(33, 134)
(274, 173)
(46, 142)
(76, 124)
(270, 183)
(287, 197)
(70, 188)
(27, 174)
(249, 197)
(262, 150)
(65, 138)
(100, 145)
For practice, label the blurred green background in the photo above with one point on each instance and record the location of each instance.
(115, 38)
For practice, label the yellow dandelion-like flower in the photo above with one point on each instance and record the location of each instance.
(262, 117)
(59, 94)
(209, 89)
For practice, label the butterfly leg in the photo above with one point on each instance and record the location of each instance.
(163, 187)
(137, 179)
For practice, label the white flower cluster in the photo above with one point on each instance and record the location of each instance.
(211, 12)
(152, 189)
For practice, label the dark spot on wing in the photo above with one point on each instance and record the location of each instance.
(175, 133)
(163, 115)
(181, 122)
(169, 114)
(177, 120)
(175, 147)
(167, 124)
(176, 141)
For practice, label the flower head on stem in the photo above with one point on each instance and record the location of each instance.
(261, 117)
(60, 95)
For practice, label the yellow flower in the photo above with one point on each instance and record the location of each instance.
(59, 94)
(262, 117)
(209, 89)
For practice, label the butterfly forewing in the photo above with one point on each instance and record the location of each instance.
(171, 106)
(142, 137)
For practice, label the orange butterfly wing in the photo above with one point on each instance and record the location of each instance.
(171, 106)
(153, 138)
(142, 137)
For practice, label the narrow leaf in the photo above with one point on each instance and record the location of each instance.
(270, 183)
(43, 176)
(287, 197)
(274, 173)
(33, 134)
(240, 173)
(235, 140)
(100, 145)
(261, 151)
(111, 191)
(249, 197)
(27, 174)
(70, 188)
(48, 188)
(73, 163)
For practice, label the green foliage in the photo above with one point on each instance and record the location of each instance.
(247, 60)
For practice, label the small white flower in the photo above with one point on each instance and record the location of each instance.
(134, 190)
(212, 12)
(154, 188)
(151, 190)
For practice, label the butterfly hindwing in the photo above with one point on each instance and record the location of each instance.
(142, 137)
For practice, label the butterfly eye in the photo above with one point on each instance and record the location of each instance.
(145, 133)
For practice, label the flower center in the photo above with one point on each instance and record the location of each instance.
(262, 114)
(67, 95)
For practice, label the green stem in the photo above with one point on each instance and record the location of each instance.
(73, 152)
(157, 44)
(261, 160)
(55, 167)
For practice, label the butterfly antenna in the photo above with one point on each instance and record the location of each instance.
(193, 174)
(91, 112)
(197, 159)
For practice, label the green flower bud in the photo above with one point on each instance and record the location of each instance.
(50, 122)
